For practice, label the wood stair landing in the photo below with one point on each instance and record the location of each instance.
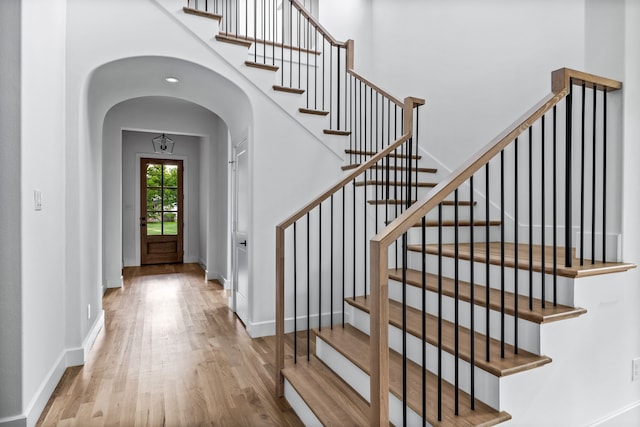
(330, 399)
(538, 315)
(354, 345)
(498, 366)
(576, 271)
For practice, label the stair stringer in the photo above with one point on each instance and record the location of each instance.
(580, 385)
(205, 30)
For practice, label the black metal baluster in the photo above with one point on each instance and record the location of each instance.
(295, 294)
(308, 288)
(423, 254)
(320, 267)
(515, 244)
(531, 218)
(324, 71)
(568, 202)
(555, 208)
(472, 300)
(440, 274)
(307, 36)
(338, 89)
(255, 29)
(331, 271)
(354, 240)
(456, 301)
(487, 282)
(344, 251)
(582, 173)
(300, 55)
(315, 70)
(604, 175)
(593, 180)
(542, 208)
(404, 329)
(502, 250)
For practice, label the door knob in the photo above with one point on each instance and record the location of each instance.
(243, 243)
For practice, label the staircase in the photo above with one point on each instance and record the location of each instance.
(405, 300)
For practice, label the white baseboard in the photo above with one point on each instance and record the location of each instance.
(70, 357)
(115, 283)
(91, 337)
(268, 328)
(36, 405)
(17, 421)
(626, 417)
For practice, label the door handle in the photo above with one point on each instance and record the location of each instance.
(243, 243)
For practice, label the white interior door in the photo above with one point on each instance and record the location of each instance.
(240, 297)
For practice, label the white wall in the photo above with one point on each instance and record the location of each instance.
(482, 63)
(281, 149)
(137, 144)
(10, 245)
(43, 232)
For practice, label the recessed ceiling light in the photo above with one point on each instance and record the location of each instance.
(171, 80)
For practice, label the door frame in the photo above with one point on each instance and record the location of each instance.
(233, 223)
(185, 201)
(147, 239)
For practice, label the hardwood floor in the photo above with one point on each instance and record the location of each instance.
(171, 353)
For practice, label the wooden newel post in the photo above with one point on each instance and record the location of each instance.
(379, 345)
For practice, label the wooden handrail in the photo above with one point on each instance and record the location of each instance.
(316, 24)
(377, 89)
(408, 105)
(344, 181)
(562, 80)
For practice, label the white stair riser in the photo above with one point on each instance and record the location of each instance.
(528, 332)
(299, 406)
(360, 382)
(565, 285)
(487, 385)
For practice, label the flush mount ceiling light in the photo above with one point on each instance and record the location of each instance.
(163, 144)
(171, 79)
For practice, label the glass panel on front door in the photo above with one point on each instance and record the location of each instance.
(162, 200)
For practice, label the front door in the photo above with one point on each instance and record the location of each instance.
(240, 302)
(161, 218)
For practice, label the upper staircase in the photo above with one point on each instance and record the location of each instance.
(405, 299)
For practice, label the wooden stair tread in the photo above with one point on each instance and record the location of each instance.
(461, 223)
(402, 202)
(538, 315)
(576, 271)
(331, 400)
(511, 364)
(373, 153)
(288, 89)
(233, 40)
(314, 112)
(337, 132)
(248, 41)
(393, 183)
(202, 13)
(394, 168)
(261, 66)
(354, 345)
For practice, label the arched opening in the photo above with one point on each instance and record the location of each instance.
(130, 101)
